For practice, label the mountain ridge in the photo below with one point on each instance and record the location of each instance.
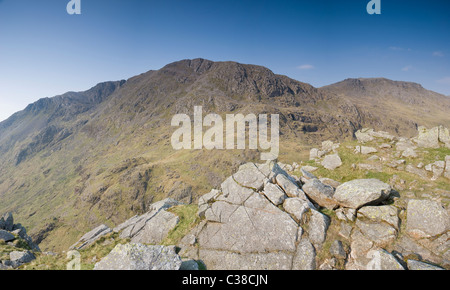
(104, 155)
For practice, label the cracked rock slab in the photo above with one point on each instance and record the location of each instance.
(140, 257)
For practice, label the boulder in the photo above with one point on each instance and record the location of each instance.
(357, 193)
(364, 135)
(320, 193)
(290, 188)
(151, 227)
(91, 237)
(140, 257)
(378, 214)
(21, 257)
(382, 260)
(6, 236)
(417, 265)
(296, 207)
(381, 234)
(8, 222)
(426, 218)
(428, 138)
(444, 136)
(317, 227)
(157, 228)
(331, 162)
(305, 256)
(274, 193)
(337, 250)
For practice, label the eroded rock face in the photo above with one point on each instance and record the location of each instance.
(360, 192)
(140, 257)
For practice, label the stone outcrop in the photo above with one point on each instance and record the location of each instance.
(15, 236)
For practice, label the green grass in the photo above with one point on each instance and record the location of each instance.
(188, 220)
(88, 256)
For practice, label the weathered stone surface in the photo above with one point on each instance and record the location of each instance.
(296, 207)
(381, 234)
(132, 226)
(426, 218)
(305, 256)
(331, 162)
(428, 138)
(233, 192)
(345, 230)
(21, 257)
(250, 177)
(360, 192)
(140, 257)
(274, 193)
(223, 260)
(382, 260)
(251, 230)
(157, 228)
(320, 193)
(417, 265)
(205, 200)
(92, 236)
(317, 227)
(337, 250)
(387, 213)
(6, 236)
(290, 187)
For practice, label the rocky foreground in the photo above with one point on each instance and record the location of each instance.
(284, 217)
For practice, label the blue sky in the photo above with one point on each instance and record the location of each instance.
(45, 52)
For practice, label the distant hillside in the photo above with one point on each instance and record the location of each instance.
(100, 156)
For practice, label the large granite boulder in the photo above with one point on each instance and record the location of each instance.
(360, 192)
